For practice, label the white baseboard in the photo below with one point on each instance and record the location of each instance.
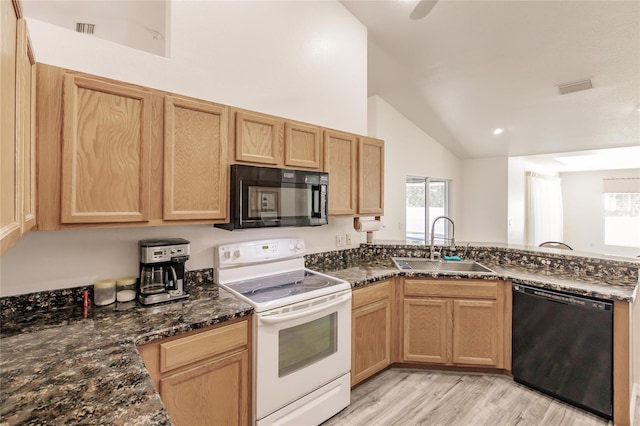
(635, 394)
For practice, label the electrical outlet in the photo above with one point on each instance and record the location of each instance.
(340, 240)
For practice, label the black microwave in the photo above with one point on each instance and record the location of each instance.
(268, 197)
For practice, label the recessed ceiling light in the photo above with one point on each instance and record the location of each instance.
(498, 131)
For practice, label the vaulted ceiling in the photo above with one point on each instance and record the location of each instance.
(469, 67)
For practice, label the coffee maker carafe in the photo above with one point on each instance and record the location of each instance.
(162, 270)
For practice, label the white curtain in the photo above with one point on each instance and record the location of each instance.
(543, 209)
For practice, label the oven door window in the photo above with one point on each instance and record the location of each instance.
(306, 344)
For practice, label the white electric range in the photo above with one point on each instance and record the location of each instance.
(302, 330)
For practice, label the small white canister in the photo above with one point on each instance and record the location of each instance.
(104, 292)
(126, 289)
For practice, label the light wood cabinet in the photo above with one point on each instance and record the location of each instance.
(455, 322)
(302, 145)
(370, 176)
(270, 141)
(17, 138)
(340, 161)
(195, 160)
(370, 330)
(204, 377)
(10, 215)
(113, 154)
(356, 174)
(258, 139)
(106, 145)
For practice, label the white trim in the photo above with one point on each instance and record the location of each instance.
(635, 394)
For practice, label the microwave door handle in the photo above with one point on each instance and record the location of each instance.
(275, 319)
(315, 201)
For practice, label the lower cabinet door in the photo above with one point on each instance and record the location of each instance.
(476, 331)
(214, 393)
(371, 340)
(427, 331)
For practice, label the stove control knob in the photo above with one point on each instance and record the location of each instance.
(236, 253)
(299, 245)
(226, 254)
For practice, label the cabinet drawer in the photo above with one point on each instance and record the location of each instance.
(184, 351)
(451, 288)
(371, 293)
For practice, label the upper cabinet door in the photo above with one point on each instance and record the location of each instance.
(10, 178)
(371, 177)
(302, 146)
(105, 152)
(340, 155)
(26, 120)
(195, 160)
(258, 139)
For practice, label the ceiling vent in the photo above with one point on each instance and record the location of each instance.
(83, 27)
(576, 86)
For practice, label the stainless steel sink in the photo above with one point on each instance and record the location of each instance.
(417, 264)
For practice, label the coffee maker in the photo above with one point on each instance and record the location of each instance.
(162, 270)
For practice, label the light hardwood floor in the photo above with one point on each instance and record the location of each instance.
(420, 397)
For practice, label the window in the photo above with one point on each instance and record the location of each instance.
(622, 219)
(427, 198)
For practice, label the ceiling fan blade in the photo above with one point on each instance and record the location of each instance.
(422, 9)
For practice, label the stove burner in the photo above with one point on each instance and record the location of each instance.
(273, 293)
(249, 286)
(313, 282)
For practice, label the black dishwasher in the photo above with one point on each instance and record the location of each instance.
(563, 346)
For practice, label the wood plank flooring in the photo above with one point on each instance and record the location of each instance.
(401, 396)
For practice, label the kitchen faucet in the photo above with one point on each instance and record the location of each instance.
(453, 233)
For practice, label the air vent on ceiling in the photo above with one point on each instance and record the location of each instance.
(576, 86)
(83, 27)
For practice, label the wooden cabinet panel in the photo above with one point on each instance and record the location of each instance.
(258, 139)
(302, 146)
(25, 125)
(195, 160)
(451, 288)
(214, 393)
(427, 331)
(190, 349)
(105, 152)
(456, 322)
(370, 330)
(204, 377)
(340, 155)
(372, 293)
(370, 176)
(10, 160)
(475, 332)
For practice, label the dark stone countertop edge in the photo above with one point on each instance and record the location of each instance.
(370, 274)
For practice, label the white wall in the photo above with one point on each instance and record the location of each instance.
(484, 188)
(301, 60)
(584, 211)
(518, 167)
(408, 151)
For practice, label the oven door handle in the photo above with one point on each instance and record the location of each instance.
(275, 319)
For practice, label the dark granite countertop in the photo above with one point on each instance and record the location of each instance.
(612, 288)
(60, 368)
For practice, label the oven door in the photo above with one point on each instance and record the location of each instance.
(299, 348)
